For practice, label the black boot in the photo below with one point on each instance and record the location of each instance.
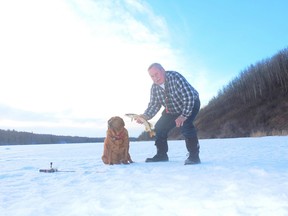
(158, 158)
(193, 147)
(162, 149)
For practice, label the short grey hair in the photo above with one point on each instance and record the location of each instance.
(157, 65)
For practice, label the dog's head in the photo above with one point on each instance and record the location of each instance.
(116, 123)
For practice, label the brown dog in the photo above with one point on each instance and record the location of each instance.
(116, 144)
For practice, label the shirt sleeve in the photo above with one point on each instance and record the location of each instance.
(189, 94)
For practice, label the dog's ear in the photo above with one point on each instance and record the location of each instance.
(110, 122)
(122, 122)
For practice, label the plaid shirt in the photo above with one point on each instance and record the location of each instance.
(178, 96)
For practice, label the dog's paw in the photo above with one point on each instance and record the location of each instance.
(124, 162)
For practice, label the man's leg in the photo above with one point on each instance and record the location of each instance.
(162, 128)
(189, 132)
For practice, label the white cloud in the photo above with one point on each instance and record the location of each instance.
(78, 60)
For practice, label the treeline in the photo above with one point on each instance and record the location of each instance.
(255, 102)
(266, 79)
(12, 137)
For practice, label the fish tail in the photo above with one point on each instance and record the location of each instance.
(152, 133)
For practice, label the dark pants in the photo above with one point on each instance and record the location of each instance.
(167, 122)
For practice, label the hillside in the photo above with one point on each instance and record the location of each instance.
(253, 104)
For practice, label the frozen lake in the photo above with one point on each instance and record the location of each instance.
(244, 176)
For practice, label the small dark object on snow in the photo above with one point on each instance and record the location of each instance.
(48, 170)
(51, 170)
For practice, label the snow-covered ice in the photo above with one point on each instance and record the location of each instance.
(243, 176)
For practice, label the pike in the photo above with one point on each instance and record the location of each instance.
(148, 125)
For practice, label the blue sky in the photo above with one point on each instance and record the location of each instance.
(67, 66)
(225, 36)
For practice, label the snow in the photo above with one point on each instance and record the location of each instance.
(243, 176)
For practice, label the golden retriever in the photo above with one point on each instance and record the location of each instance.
(116, 143)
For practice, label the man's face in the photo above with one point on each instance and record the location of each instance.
(157, 75)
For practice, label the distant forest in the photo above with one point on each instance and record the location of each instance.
(12, 137)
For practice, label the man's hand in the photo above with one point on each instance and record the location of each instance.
(180, 121)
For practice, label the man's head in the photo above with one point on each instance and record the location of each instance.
(157, 73)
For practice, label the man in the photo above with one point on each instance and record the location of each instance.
(181, 101)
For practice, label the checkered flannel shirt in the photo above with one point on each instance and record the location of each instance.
(178, 96)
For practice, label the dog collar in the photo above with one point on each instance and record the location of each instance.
(119, 136)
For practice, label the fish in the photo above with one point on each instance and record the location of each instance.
(148, 125)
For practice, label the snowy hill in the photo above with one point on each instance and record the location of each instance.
(245, 176)
(255, 102)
